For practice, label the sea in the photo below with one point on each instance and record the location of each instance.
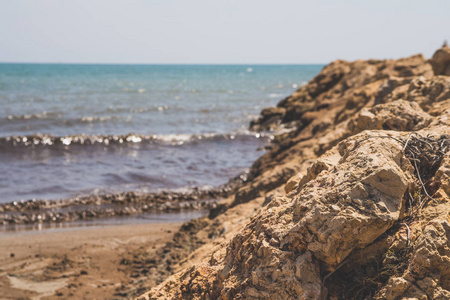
(69, 130)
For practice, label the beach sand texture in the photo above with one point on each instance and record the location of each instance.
(93, 263)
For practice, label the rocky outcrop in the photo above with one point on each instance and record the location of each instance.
(441, 61)
(353, 202)
(318, 115)
(399, 115)
(341, 84)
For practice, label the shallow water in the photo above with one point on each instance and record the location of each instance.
(69, 130)
(149, 218)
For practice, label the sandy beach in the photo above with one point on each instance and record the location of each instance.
(86, 263)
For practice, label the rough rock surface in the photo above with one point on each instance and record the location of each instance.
(319, 112)
(353, 202)
(398, 115)
(441, 61)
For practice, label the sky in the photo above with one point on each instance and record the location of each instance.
(219, 31)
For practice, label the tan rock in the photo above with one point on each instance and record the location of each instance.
(354, 193)
(443, 175)
(432, 94)
(399, 115)
(395, 287)
(428, 272)
(354, 210)
(441, 61)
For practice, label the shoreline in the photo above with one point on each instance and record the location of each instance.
(149, 219)
(117, 261)
(118, 205)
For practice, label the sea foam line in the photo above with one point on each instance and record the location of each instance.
(169, 139)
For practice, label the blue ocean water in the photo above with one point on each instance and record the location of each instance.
(69, 130)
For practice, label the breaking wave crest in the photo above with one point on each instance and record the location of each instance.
(169, 139)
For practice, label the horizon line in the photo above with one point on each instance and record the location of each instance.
(161, 64)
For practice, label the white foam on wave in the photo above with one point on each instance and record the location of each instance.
(92, 119)
(134, 139)
(275, 95)
(41, 115)
(169, 139)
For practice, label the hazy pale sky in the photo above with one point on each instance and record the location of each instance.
(219, 31)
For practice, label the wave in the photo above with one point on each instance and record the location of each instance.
(57, 116)
(42, 115)
(95, 119)
(82, 139)
(104, 116)
(120, 109)
(139, 90)
(276, 95)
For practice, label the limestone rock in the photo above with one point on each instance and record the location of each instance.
(441, 61)
(337, 78)
(270, 117)
(443, 175)
(399, 115)
(432, 95)
(319, 112)
(354, 194)
(339, 210)
(428, 271)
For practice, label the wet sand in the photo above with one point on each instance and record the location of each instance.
(77, 263)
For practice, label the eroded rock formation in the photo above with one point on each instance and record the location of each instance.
(352, 202)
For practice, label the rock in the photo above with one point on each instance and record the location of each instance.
(393, 87)
(269, 117)
(319, 112)
(367, 184)
(324, 163)
(432, 94)
(441, 61)
(394, 288)
(294, 182)
(339, 209)
(399, 115)
(336, 80)
(443, 175)
(354, 194)
(428, 271)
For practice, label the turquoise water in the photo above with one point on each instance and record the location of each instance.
(68, 130)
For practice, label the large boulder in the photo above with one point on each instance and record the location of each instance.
(354, 199)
